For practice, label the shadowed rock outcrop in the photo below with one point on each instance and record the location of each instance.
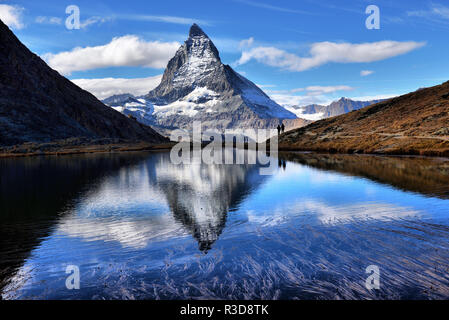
(37, 104)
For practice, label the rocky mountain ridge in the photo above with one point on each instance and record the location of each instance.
(39, 105)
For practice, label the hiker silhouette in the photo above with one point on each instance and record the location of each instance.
(279, 130)
(282, 164)
(283, 128)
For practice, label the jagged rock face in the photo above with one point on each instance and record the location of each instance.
(197, 86)
(345, 105)
(37, 104)
(196, 64)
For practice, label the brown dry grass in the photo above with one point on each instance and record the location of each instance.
(416, 123)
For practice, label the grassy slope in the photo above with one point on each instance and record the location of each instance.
(416, 123)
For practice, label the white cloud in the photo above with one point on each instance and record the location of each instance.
(11, 16)
(258, 4)
(377, 97)
(436, 11)
(246, 43)
(326, 52)
(84, 24)
(441, 11)
(299, 112)
(320, 90)
(287, 100)
(104, 88)
(165, 19)
(94, 20)
(314, 90)
(123, 51)
(48, 20)
(365, 73)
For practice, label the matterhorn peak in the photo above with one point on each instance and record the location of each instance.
(197, 86)
(196, 31)
(200, 45)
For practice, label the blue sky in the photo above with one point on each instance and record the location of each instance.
(299, 52)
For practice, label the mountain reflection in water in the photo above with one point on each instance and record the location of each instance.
(200, 196)
(130, 207)
(141, 227)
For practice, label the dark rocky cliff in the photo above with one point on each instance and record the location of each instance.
(37, 104)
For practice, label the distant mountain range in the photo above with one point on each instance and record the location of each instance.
(415, 123)
(143, 110)
(197, 86)
(315, 112)
(37, 104)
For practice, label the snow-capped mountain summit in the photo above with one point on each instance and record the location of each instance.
(197, 86)
(193, 66)
(197, 70)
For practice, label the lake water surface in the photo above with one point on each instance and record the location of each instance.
(139, 227)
